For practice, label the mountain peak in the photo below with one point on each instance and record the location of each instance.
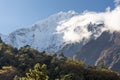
(56, 31)
(60, 29)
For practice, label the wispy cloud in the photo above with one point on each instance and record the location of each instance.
(77, 28)
(117, 2)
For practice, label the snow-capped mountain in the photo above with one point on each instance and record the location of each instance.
(87, 36)
(41, 35)
(54, 33)
(59, 32)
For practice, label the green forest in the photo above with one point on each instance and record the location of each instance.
(29, 64)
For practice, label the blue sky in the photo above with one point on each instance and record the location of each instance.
(15, 14)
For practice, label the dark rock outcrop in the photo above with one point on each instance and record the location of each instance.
(105, 48)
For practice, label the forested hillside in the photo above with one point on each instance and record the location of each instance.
(29, 64)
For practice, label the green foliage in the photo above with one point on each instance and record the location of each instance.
(1, 40)
(58, 67)
(38, 73)
(75, 62)
(8, 73)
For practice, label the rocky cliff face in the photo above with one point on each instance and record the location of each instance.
(105, 49)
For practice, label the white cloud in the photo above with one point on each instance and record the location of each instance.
(112, 19)
(76, 28)
(117, 2)
(108, 9)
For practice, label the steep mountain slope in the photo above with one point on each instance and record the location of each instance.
(42, 35)
(63, 32)
(111, 55)
(68, 32)
(105, 49)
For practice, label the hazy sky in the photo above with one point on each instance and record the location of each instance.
(15, 14)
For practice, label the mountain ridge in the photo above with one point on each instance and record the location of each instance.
(68, 32)
(54, 32)
(104, 50)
